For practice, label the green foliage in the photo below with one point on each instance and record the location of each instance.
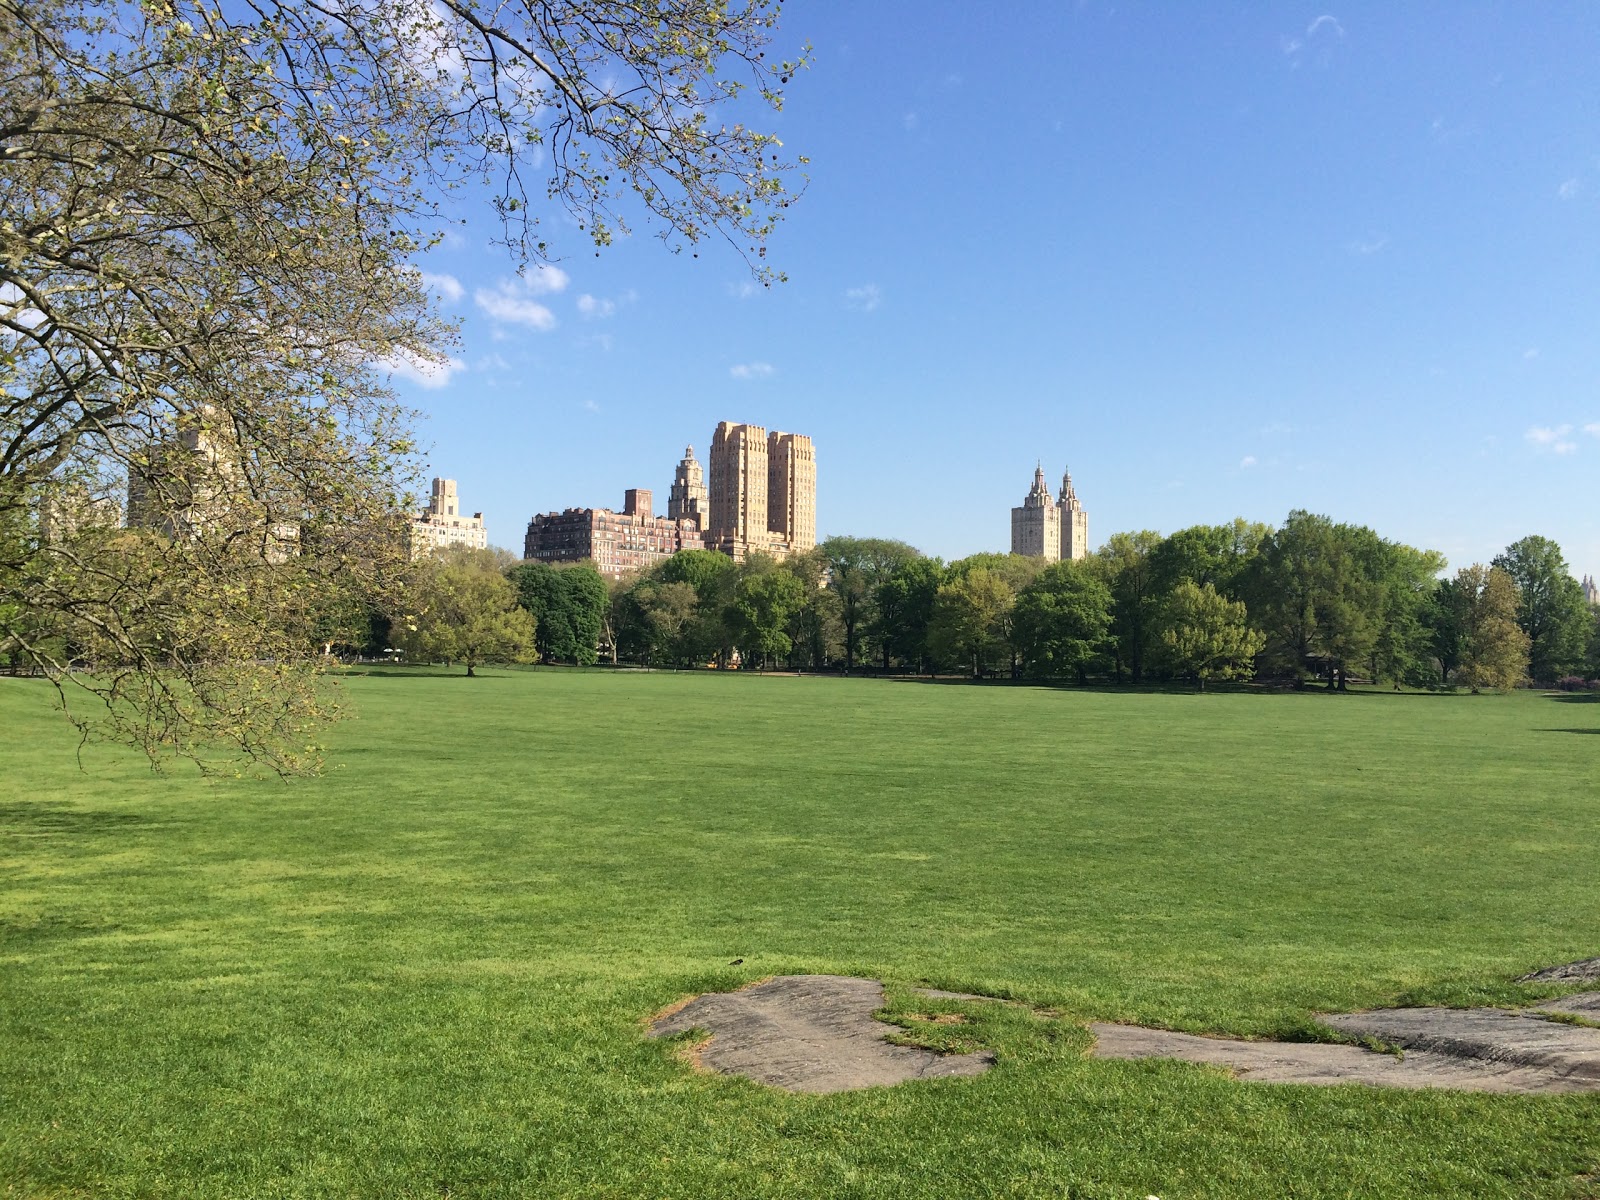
(971, 619)
(857, 568)
(568, 604)
(1061, 621)
(426, 972)
(1124, 564)
(1494, 648)
(1207, 636)
(462, 608)
(1215, 554)
(905, 603)
(1551, 608)
(765, 601)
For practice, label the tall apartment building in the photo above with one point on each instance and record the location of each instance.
(763, 492)
(688, 499)
(1591, 591)
(443, 524)
(1052, 529)
(616, 542)
(791, 492)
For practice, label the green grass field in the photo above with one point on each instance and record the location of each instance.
(425, 974)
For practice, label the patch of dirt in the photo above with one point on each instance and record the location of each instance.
(1470, 1049)
(809, 1033)
(1584, 968)
(937, 1018)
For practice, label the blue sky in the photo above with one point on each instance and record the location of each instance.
(1222, 260)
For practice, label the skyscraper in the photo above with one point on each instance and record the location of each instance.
(763, 492)
(688, 500)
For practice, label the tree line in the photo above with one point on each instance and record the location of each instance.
(1309, 601)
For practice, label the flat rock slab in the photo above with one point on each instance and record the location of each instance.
(809, 1033)
(1584, 968)
(1569, 1054)
(1582, 1004)
(1317, 1063)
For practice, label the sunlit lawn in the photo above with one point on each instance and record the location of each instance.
(425, 973)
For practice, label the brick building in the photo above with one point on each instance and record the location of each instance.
(616, 542)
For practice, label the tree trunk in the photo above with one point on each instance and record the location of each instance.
(470, 671)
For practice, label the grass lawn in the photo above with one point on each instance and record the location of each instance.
(424, 974)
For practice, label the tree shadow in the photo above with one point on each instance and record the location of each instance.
(39, 819)
(1574, 697)
(1567, 730)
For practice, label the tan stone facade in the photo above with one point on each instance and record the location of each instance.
(443, 524)
(1591, 591)
(763, 492)
(1051, 529)
(688, 499)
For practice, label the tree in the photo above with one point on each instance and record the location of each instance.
(816, 628)
(764, 602)
(1494, 648)
(1207, 636)
(210, 216)
(905, 603)
(568, 604)
(858, 566)
(1551, 609)
(665, 614)
(1214, 554)
(1124, 565)
(462, 608)
(970, 614)
(1444, 619)
(1061, 621)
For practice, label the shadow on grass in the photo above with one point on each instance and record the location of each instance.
(48, 818)
(1567, 730)
(1574, 697)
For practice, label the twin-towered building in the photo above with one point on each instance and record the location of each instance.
(761, 498)
(1054, 529)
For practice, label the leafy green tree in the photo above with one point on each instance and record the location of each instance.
(568, 604)
(714, 576)
(1444, 619)
(1551, 610)
(816, 629)
(1214, 554)
(1207, 636)
(665, 615)
(1124, 565)
(857, 567)
(462, 608)
(1591, 667)
(1061, 621)
(1494, 648)
(905, 603)
(970, 618)
(765, 601)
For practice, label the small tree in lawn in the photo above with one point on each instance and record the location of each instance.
(1494, 648)
(1207, 636)
(462, 608)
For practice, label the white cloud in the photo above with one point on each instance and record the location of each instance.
(447, 286)
(1248, 461)
(1592, 428)
(545, 280)
(1369, 245)
(591, 306)
(1325, 24)
(1547, 435)
(910, 122)
(1531, 353)
(420, 369)
(1565, 447)
(509, 303)
(1569, 190)
(742, 290)
(753, 370)
(864, 298)
(591, 406)
(492, 362)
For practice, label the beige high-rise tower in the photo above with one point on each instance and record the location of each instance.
(792, 491)
(1073, 521)
(1036, 525)
(763, 492)
(687, 501)
(738, 491)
